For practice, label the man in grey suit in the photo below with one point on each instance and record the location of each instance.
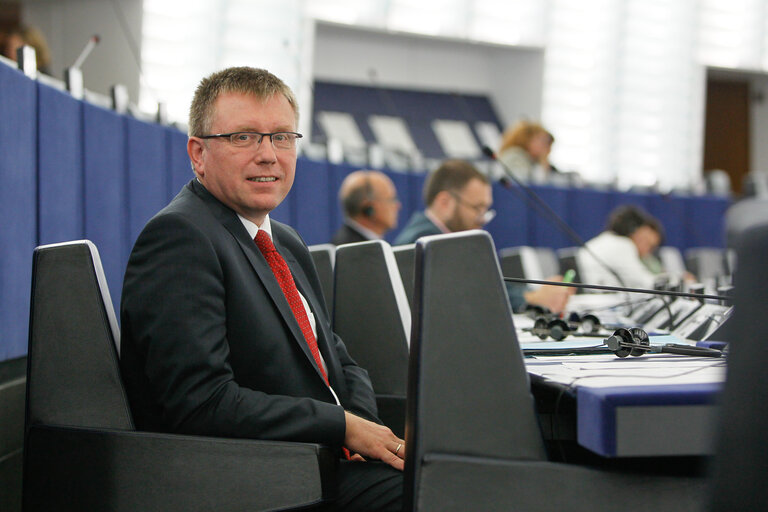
(214, 342)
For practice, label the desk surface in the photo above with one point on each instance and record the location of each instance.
(653, 405)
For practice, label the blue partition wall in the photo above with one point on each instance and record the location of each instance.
(72, 170)
(18, 211)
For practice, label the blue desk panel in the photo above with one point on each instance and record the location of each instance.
(599, 426)
(60, 166)
(106, 199)
(147, 173)
(18, 207)
(179, 166)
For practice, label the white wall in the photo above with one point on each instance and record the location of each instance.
(511, 77)
(68, 24)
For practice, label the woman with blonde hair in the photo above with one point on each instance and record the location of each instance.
(524, 151)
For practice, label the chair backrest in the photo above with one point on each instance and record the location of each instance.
(404, 256)
(324, 256)
(706, 263)
(529, 262)
(468, 390)
(741, 453)
(371, 313)
(73, 376)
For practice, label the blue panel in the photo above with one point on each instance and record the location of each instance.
(60, 168)
(509, 227)
(147, 174)
(543, 231)
(705, 221)
(178, 162)
(588, 211)
(18, 207)
(670, 211)
(312, 191)
(105, 192)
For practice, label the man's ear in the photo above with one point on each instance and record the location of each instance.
(195, 149)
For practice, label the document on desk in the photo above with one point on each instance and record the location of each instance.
(607, 370)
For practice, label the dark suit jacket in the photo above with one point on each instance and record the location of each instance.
(209, 343)
(348, 235)
(418, 225)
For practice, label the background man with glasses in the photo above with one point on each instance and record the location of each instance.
(224, 328)
(458, 198)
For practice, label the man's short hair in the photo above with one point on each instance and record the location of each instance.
(354, 197)
(246, 80)
(625, 220)
(452, 175)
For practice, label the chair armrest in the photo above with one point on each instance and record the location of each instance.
(81, 469)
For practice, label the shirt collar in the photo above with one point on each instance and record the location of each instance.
(367, 233)
(253, 229)
(437, 222)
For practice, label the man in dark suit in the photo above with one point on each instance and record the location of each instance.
(218, 336)
(370, 205)
(458, 198)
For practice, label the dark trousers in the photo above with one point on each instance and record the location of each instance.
(368, 487)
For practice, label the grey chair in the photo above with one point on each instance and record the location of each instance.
(324, 257)
(372, 316)
(741, 454)
(472, 437)
(81, 450)
(529, 262)
(404, 258)
(708, 264)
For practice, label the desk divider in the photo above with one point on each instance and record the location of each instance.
(18, 207)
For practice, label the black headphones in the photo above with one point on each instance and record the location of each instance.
(360, 199)
(635, 342)
(549, 325)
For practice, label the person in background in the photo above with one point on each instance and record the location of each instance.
(458, 198)
(224, 331)
(524, 151)
(370, 205)
(630, 237)
(31, 36)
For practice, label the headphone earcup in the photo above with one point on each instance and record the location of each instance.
(558, 329)
(368, 210)
(617, 340)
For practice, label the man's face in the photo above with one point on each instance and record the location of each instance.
(251, 180)
(386, 206)
(470, 205)
(646, 240)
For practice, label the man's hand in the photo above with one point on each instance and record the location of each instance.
(374, 441)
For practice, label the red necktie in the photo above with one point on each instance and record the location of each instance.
(285, 280)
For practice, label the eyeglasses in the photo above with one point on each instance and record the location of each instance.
(484, 214)
(280, 140)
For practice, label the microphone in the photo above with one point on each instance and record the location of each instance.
(624, 289)
(542, 207)
(89, 46)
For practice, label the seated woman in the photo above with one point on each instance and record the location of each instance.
(525, 151)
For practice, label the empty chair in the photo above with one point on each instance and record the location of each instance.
(324, 256)
(529, 262)
(404, 258)
(473, 440)
(372, 316)
(708, 264)
(81, 451)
